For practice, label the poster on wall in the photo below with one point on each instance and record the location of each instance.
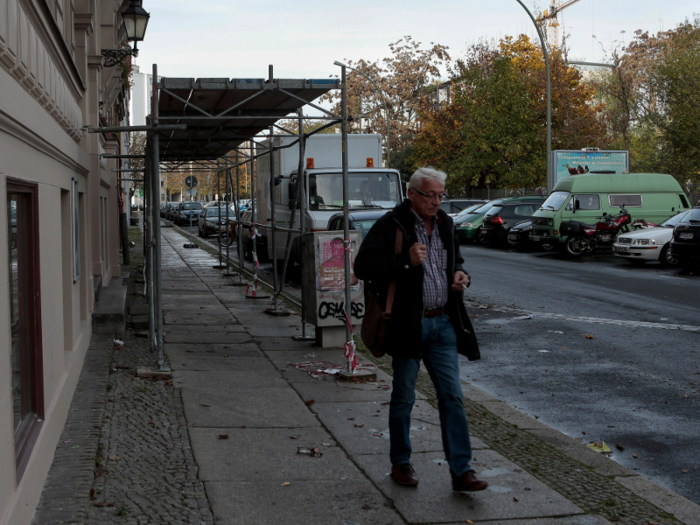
(331, 271)
(324, 271)
(568, 163)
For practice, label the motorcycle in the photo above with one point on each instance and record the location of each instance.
(640, 224)
(585, 238)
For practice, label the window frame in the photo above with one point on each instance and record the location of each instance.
(31, 352)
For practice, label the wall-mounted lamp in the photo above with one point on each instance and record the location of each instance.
(135, 21)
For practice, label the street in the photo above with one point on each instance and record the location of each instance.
(596, 360)
(595, 348)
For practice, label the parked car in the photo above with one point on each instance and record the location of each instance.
(649, 244)
(469, 225)
(685, 245)
(498, 221)
(170, 209)
(214, 220)
(452, 207)
(360, 220)
(188, 211)
(247, 239)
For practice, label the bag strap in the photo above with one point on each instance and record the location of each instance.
(392, 285)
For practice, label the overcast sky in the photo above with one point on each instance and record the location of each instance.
(221, 38)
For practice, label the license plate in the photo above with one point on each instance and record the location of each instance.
(621, 249)
(686, 235)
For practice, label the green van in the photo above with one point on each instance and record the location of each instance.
(653, 197)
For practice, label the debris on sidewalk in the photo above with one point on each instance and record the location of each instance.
(313, 452)
(599, 446)
(324, 369)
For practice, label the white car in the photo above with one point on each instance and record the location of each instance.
(649, 244)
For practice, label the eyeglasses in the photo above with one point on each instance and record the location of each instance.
(429, 196)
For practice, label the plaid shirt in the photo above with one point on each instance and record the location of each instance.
(434, 267)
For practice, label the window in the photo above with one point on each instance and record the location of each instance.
(628, 201)
(586, 202)
(525, 210)
(25, 319)
(75, 215)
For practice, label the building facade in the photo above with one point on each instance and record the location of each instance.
(59, 220)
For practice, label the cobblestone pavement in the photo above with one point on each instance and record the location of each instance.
(124, 457)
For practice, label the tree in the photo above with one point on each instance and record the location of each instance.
(403, 77)
(493, 131)
(652, 101)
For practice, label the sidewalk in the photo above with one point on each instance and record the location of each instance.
(221, 442)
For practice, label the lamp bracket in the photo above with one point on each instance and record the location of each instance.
(112, 57)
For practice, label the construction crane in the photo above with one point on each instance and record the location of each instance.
(549, 16)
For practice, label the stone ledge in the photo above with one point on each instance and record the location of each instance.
(109, 316)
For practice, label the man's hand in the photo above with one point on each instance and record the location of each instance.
(418, 253)
(461, 280)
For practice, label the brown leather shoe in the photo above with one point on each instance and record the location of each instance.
(467, 482)
(404, 475)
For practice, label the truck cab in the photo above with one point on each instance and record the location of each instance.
(369, 186)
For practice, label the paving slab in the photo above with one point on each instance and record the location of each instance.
(269, 454)
(178, 352)
(587, 519)
(207, 362)
(342, 502)
(363, 428)
(205, 328)
(330, 391)
(288, 344)
(433, 501)
(252, 372)
(197, 318)
(184, 285)
(197, 337)
(231, 404)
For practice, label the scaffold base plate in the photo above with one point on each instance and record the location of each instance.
(277, 312)
(361, 376)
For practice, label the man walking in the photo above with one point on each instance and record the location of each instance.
(428, 321)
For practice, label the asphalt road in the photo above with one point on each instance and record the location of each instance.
(610, 352)
(595, 348)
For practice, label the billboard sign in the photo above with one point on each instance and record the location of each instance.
(568, 163)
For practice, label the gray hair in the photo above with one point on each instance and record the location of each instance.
(425, 174)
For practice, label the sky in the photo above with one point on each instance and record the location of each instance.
(302, 38)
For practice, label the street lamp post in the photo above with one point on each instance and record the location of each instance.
(386, 110)
(550, 181)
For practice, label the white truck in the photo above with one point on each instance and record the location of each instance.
(370, 186)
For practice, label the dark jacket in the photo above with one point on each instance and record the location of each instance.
(377, 265)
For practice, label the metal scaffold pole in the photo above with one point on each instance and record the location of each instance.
(227, 236)
(237, 211)
(253, 286)
(155, 188)
(148, 242)
(273, 226)
(220, 237)
(349, 348)
(301, 182)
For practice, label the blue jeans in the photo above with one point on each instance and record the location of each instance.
(440, 357)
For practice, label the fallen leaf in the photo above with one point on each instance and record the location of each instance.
(685, 471)
(223, 436)
(285, 484)
(310, 402)
(634, 455)
(516, 498)
(205, 405)
(366, 507)
(468, 521)
(527, 488)
(294, 437)
(359, 425)
(114, 458)
(589, 336)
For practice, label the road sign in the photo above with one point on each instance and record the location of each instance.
(191, 181)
